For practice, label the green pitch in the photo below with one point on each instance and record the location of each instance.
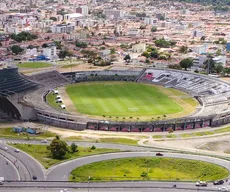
(34, 65)
(124, 99)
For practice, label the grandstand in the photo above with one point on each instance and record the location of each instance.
(24, 98)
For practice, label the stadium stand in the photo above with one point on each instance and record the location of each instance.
(11, 82)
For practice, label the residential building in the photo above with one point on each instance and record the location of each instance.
(63, 28)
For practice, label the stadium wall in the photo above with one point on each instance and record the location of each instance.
(27, 113)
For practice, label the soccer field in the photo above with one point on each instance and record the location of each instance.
(128, 99)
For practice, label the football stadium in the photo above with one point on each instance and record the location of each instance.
(131, 100)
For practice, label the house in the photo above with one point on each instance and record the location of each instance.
(139, 48)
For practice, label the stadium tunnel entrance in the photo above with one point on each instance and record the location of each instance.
(7, 107)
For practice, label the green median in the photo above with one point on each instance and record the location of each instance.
(149, 169)
(43, 155)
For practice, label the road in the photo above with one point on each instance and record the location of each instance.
(103, 190)
(85, 144)
(62, 171)
(25, 164)
(8, 170)
(109, 186)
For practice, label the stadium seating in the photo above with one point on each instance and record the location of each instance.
(49, 79)
(211, 91)
(11, 82)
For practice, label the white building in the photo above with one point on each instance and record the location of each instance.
(199, 60)
(63, 28)
(197, 33)
(150, 21)
(50, 52)
(220, 59)
(114, 13)
(139, 48)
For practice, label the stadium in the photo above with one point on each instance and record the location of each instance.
(131, 100)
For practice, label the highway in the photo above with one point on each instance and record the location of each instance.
(111, 186)
(103, 190)
(7, 169)
(25, 164)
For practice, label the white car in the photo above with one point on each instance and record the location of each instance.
(224, 189)
(16, 150)
(44, 141)
(201, 184)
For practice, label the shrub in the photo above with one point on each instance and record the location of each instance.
(93, 147)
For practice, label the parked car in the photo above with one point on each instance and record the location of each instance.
(44, 141)
(16, 150)
(201, 184)
(159, 154)
(219, 182)
(223, 189)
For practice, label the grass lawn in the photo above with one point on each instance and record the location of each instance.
(9, 133)
(124, 141)
(41, 153)
(34, 65)
(125, 99)
(149, 169)
(69, 66)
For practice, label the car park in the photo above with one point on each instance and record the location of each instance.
(201, 184)
(219, 182)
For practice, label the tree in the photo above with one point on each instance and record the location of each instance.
(153, 29)
(53, 18)
(23, 36)
(145, 54)
(183, 49)
(64, 53)
(58, 148)
(81, 44)
(74, 147)
(16, 49)
(219, 68)
(202, 38)
(58, 44)
(112, 51)
(127, 58)
(186, 63)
